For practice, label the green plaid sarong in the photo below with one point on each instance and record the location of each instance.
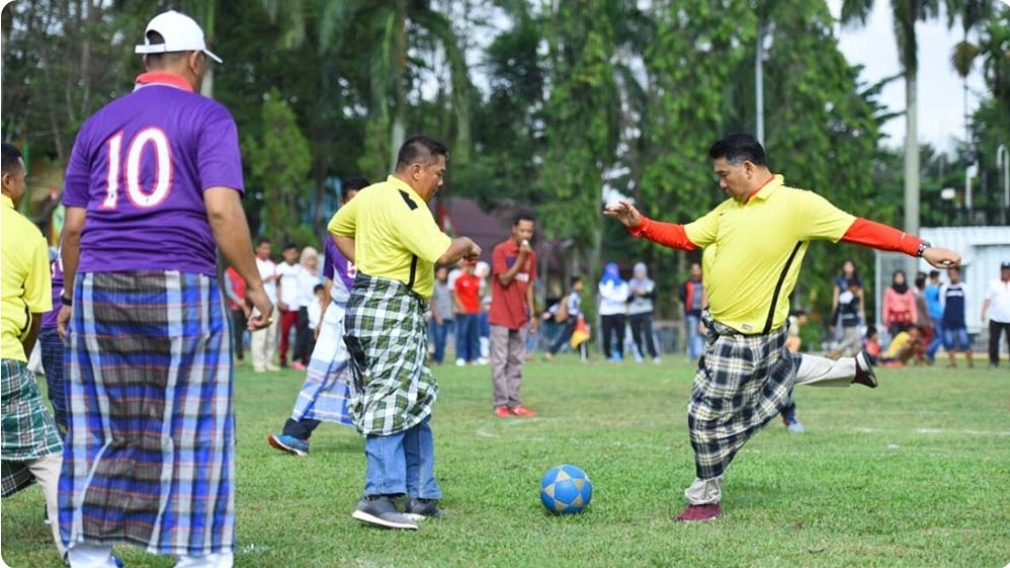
(29, 430)
(393, 388)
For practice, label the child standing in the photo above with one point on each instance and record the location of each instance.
(954, 297)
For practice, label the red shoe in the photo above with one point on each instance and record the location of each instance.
(523, 412)
(298, 366)
(699, 513)
(502, 412)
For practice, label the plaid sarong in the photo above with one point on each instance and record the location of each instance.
(386, 335)
(52, 364)
(150, 457)
(324, 393)
(29, 432)
(743, 381)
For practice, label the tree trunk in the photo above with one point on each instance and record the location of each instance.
(911, 160)
(399, 128)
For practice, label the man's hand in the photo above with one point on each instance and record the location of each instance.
(281, 306)
(941, 257)
(474, 252)
(62, 319)
(525, 249)
(625, 213)
(257, 298)
(534, 324)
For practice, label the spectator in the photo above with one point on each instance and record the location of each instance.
(566, 312)
(640, 312)
(289, 302)
(234, 293)
(849, 320)
(899, 305)
(925, 323)
(613, 306)
(793, 343)
(308, 279)
(935, 308)
(954, 296)
(443, 315)
(263, 341)
(467, 299)
(841, 285)
(998, 300)
(314, 313)
(694, 299)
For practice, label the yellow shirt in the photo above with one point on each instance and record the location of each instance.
(897, 344)
(394, 234)
(760, 247)
(25, 281)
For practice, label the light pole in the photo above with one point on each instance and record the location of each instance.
(1003, 161)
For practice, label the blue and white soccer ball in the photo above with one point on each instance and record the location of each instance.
(565, 489)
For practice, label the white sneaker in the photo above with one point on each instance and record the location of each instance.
(461, 362)
(657, 360)
(481, 361)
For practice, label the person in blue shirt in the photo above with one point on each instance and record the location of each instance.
(954, 297)
(935, 308)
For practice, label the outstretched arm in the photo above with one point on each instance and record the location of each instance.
(881, 237)
(667, 234)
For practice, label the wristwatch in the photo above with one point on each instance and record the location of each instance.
(922, 248)
(65, 300)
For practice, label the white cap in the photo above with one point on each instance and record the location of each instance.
(181, 33)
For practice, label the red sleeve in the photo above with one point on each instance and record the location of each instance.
(881, 237)
(669, 235)
(498, 261)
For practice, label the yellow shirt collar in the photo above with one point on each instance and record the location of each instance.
(400, 184)
(766, 190)
(7, 202)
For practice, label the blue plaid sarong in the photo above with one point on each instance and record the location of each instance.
(149, 456)
(52, 363)
(324, 393)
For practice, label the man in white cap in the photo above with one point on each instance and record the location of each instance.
(997, 307)
(152, 192)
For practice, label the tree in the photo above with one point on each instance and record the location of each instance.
(906, 14)
(390, 42)
(280, 163)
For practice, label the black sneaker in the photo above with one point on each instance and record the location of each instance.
(381, 511)
(864, 371)
(420, 509)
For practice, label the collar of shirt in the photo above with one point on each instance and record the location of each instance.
(8, 203)
(402, 185)
(767, 188)
(162, 78)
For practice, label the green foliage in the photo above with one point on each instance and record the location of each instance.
(280, 163)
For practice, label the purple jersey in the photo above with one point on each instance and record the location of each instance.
(340, 270)
(140, 166)
(49, 319)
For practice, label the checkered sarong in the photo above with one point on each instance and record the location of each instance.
(52, 363)
(150, 456)
(393, 388)
(325, 391)
(29, 432)
(743, 381)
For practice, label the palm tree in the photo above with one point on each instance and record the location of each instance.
(906, 14)
(385, 34)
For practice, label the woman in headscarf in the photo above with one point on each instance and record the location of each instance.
(308, 278)
(640, 309)
(899, 305)
(613, 306)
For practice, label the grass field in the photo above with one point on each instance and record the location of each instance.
(915, 473)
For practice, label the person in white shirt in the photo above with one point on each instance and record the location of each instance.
(614, 293)
(264, 341)
(289, 298)
(308, 279)
(997, 306)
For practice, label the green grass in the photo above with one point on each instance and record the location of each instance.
(914, 473)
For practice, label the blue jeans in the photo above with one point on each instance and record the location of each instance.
(956, 336)
(440, 333)
(468, 337)
(52, 364)
(402, 463)
(695, 342)
(933, 347)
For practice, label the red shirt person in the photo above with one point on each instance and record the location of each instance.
(513, 272)
(466, 293)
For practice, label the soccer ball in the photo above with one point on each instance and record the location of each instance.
(565, 489)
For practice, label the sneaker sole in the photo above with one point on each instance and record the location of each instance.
(695, 521)
(870, 373)
(285, 448)
(379, 522)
